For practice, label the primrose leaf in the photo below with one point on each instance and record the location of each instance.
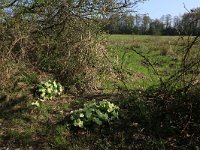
(94, 113)
(88, 113)
(97, 121)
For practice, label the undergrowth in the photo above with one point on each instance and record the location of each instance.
(152, 114)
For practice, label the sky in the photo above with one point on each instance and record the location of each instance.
(157, 8)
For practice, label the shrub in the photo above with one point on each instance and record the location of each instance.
(94, 113)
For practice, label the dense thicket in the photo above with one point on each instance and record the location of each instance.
(61, 37)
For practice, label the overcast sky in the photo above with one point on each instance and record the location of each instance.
(157, 8)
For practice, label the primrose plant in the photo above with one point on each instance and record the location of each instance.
(94, 113)
(48, 90)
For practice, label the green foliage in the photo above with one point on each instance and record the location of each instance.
(49, 89)
(94, 113)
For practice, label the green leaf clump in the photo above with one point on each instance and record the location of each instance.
(49, 89)
(94, 113)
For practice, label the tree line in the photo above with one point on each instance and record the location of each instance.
(187, 24)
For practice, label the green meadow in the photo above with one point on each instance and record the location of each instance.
(144, 59)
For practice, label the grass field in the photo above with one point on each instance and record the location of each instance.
(144, 59)
(147, 119)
